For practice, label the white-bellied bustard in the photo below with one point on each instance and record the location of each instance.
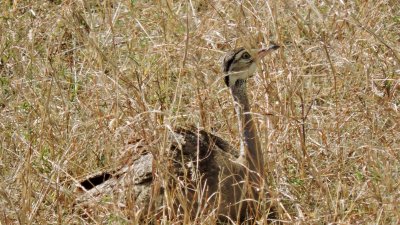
(208, 172)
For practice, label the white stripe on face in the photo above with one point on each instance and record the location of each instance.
(239, 64)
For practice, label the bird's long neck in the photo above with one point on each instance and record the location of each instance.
(252, 154)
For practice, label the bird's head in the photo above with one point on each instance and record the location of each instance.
(241, 64)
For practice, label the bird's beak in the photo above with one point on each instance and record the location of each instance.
(265, 51)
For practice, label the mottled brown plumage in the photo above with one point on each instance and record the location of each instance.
(202, 166)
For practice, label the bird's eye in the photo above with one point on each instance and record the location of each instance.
(246, 55)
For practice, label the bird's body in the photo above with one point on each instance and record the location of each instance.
(209, 172)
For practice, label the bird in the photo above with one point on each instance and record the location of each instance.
(209, 173)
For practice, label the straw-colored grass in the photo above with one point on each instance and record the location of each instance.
(81, 79)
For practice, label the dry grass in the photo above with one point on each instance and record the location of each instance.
(78, 81)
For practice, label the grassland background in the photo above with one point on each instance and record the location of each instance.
(80, 79)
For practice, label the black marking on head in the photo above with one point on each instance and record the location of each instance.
(230, 58)
(226, 79)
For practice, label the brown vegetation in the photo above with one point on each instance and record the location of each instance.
(81, 82)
